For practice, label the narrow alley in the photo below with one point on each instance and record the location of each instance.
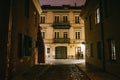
(64, 69)
(59, 40)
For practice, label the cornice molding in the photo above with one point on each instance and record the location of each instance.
(38, 6)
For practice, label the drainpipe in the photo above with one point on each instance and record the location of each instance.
(102, 35)
(11, 55)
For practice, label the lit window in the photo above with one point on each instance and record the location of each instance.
(97, 16)
(43, 34)
(112, 49)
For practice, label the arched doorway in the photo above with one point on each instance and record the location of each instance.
(61, 52)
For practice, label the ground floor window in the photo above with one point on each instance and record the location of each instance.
(79, 53)
(112, 49)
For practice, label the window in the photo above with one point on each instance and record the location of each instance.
(77, 19)
(27, 3)
(43, 35)
(56, 35)
(91, 50)
(65, 19)
(99, 50)
(112, 50)
(90, 22)
(97, 16)
(108, 8)
(42, 19)
(57, 19)
(48, 50)
(65, 35)
(24, 45)
(77, 35)
(35, 17)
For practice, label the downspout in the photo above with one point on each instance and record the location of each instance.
(11, 55)
(102, 35)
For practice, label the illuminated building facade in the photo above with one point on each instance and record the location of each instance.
(62, 29)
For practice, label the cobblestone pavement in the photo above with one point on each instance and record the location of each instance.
(63, 72)
(54, 72)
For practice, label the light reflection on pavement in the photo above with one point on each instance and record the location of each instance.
(64, 61)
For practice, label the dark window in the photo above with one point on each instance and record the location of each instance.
(77, 35)
(42, 19)
(77, 19)
(48, 50)
(90, 22)
(65, 19)
(99, 50)
(20, 45)
(27, 3)
(57, 19)
(91, 50)
(108, 8)
(24, 45)
(56, 35)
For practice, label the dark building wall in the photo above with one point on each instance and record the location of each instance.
(92, 33)
(112, 31)
(24, 33)
(18, 34)
(106, 34)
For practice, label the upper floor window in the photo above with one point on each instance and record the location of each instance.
(43, 35)
(42, 19)
(65, 19)
(77, 19)
(97, 16)
(56, 35)
(27, 5)
(90, 22)
(108, 7)
(57, 19)
(65, 35)
(77, 35)
(35, 17)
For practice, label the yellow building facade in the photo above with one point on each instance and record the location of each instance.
(63, 32)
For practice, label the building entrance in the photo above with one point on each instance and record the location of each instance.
(61, 52)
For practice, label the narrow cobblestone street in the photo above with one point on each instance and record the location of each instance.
(63, 72)
(64, 69)
(54, 72)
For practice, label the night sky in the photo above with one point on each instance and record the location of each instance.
(62, 2)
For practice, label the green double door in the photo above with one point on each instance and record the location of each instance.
(61, 52)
